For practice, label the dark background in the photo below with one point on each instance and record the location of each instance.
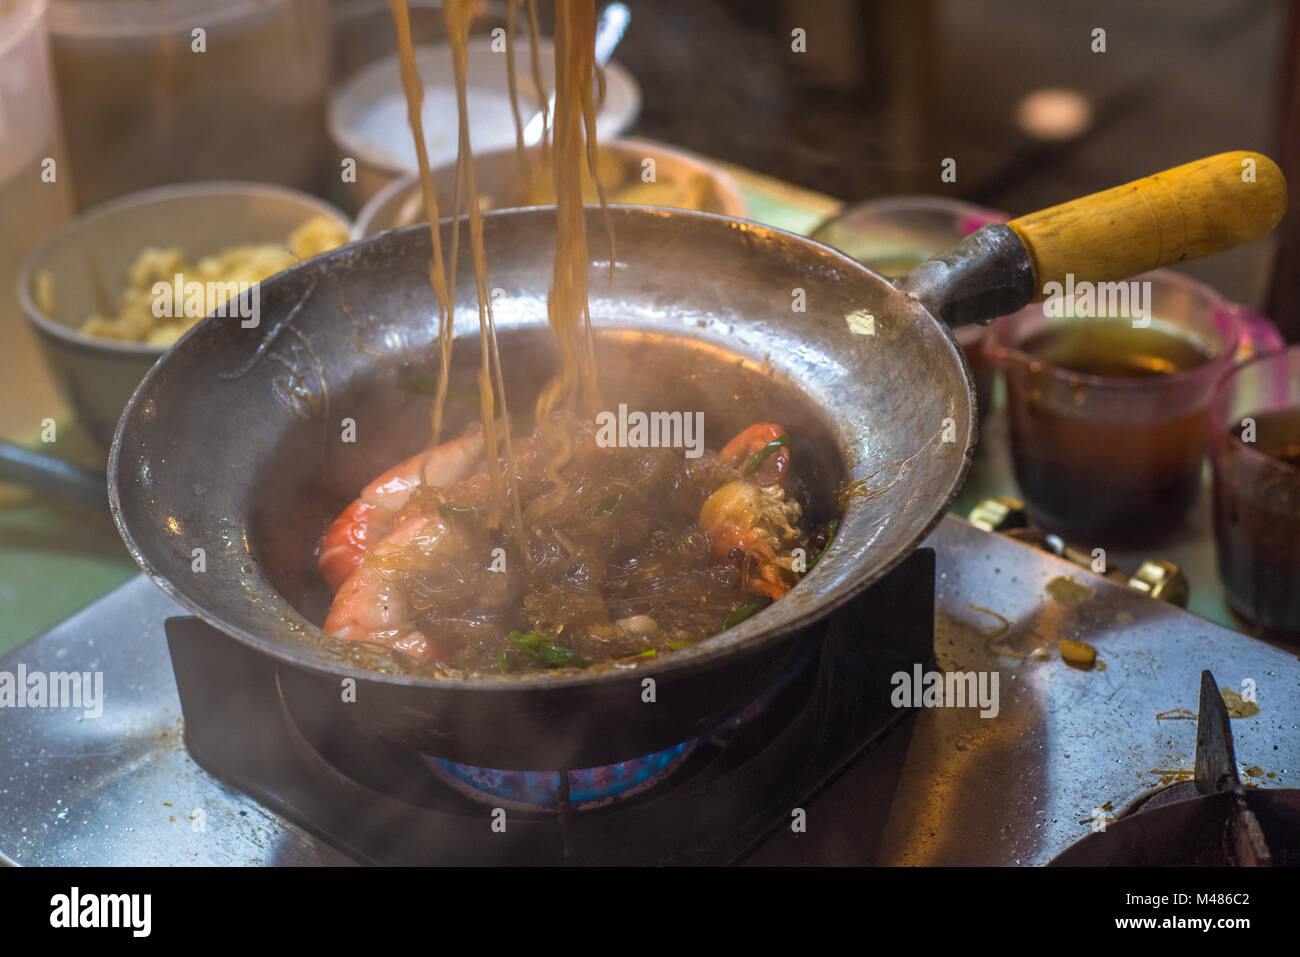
(887, 89)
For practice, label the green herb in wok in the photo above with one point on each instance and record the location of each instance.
(753, 464)
(739, 615)
(547, 652)
(831, 529)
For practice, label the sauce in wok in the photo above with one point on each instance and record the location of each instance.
(647, 551)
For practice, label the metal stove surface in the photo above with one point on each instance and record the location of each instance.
(954, 789)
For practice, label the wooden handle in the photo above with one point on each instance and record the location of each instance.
(1183, 213)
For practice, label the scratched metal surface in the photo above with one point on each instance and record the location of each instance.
(1021, 787)
(951, 788)
(120, 789)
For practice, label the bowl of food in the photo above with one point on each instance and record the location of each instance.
(633, 172)
(111, 290)
(367, 115)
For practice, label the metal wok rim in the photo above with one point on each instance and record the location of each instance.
(750, 634)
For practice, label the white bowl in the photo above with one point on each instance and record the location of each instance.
(367, 117)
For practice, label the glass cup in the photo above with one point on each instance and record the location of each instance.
(1255, 454)
(35, 197)
(143, 106)
(894, 234)
(1110, 450)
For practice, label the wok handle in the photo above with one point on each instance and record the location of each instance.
(1186, 212)
(53, 476)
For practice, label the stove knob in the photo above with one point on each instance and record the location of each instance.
(1001, 514)
(1163, 580)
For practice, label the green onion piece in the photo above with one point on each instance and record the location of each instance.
(666, 525)
(525, 639)
(831, 529)
(610, 501)
(548, 652)
(739, 615)
(677, 644)
(763, 453)
(447, 509)
(505, 662)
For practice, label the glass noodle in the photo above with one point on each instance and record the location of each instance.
(574, 143)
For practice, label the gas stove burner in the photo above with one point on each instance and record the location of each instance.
(709, 800)
(590, 788)
(1211, 820)
(1159, 797)
(582, 790)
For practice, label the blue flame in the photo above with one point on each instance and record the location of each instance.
(542, 788)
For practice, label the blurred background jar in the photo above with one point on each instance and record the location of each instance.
(363, 29)
(166, 91)
(35, 197)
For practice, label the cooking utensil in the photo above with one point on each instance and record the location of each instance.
(610, 28)
(233, 441)
(52, 476)
(895, 233)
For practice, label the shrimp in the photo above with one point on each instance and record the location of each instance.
(393, 557)
(370, 606)
(368, 519)
(753, 513)
(370, 547)
(760, 453)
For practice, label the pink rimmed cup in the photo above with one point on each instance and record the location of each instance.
(1255, 453)
(1112, 459)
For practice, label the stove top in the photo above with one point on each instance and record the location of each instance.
(714, 799)
(923, 785)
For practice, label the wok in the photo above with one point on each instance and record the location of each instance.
(233, 442)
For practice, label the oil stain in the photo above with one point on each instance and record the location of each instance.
(1068, 591)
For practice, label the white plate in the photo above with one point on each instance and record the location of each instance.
(368, 116)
